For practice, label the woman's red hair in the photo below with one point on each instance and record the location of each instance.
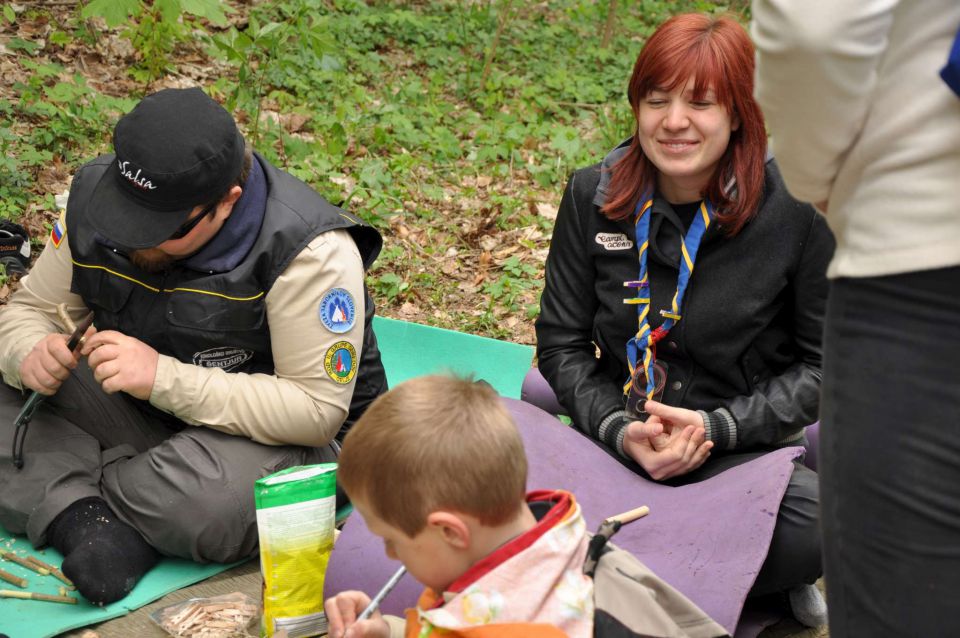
(719, 54)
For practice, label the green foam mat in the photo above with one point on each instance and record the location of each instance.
(412, 350)
(39, 619)
(408, 350)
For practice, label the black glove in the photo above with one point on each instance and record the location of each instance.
(14, 248)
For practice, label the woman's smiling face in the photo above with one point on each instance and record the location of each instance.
(684, 136)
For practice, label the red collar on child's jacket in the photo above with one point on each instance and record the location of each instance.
(562, 504)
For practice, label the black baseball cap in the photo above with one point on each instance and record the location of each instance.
(177, 149)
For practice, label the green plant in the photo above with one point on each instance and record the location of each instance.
(265, 46)
(390, 286)
(15, 181)
(62, 119)
(157, 27)
(451, 126)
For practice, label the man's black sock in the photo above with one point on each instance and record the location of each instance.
(103, 556)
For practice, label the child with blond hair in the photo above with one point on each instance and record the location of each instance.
(437, 469)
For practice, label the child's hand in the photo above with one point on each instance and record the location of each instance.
(342, 611)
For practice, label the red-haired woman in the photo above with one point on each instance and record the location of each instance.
(681, 270)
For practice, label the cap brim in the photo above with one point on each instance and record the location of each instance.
(127, 222)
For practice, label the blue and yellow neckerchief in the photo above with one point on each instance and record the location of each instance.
(646, 340)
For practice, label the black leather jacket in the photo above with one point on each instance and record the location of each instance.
(749, 342)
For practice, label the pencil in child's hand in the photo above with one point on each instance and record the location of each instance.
(372, 607)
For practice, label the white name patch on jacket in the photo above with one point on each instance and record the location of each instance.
(614, 241)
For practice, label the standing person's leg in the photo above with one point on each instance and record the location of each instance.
(890, 455)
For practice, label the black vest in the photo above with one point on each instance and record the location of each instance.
(216, 319)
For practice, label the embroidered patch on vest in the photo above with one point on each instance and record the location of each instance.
(340, 362)
(337, 310)
(224, 358)
(58, 233)
(614, 241)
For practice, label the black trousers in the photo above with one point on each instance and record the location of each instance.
(890, 455)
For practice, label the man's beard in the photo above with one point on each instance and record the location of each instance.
(151, 260)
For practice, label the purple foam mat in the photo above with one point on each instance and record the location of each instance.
(536, 391)
(708, 540)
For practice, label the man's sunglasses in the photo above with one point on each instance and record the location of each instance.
(191, 223)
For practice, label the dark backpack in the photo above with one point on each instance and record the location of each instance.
(14, 248)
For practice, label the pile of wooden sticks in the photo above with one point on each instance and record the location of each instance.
(44, 569)
(209, 618)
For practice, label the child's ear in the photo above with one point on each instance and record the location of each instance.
(452, 528)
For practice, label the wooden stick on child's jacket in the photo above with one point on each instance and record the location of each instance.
(629, 516)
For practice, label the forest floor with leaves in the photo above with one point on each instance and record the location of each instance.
(450, 126)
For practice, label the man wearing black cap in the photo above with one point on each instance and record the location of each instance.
(231, 339)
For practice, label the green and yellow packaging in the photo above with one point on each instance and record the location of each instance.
(296, 508)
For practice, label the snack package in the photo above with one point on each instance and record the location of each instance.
(226, 616)
(296, 508)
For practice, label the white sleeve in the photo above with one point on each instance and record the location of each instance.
(31, 313)
(817, 64)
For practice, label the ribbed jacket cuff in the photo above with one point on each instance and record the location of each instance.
(612, 430)
(796, 439)
(721, 428)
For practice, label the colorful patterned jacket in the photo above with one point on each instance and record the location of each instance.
(536, 586)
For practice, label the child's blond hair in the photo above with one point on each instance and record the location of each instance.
(435, 443)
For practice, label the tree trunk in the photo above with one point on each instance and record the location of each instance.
(505, 9)
(608, 26)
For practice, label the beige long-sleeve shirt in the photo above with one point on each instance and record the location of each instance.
(300, 404)
(860, 118)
